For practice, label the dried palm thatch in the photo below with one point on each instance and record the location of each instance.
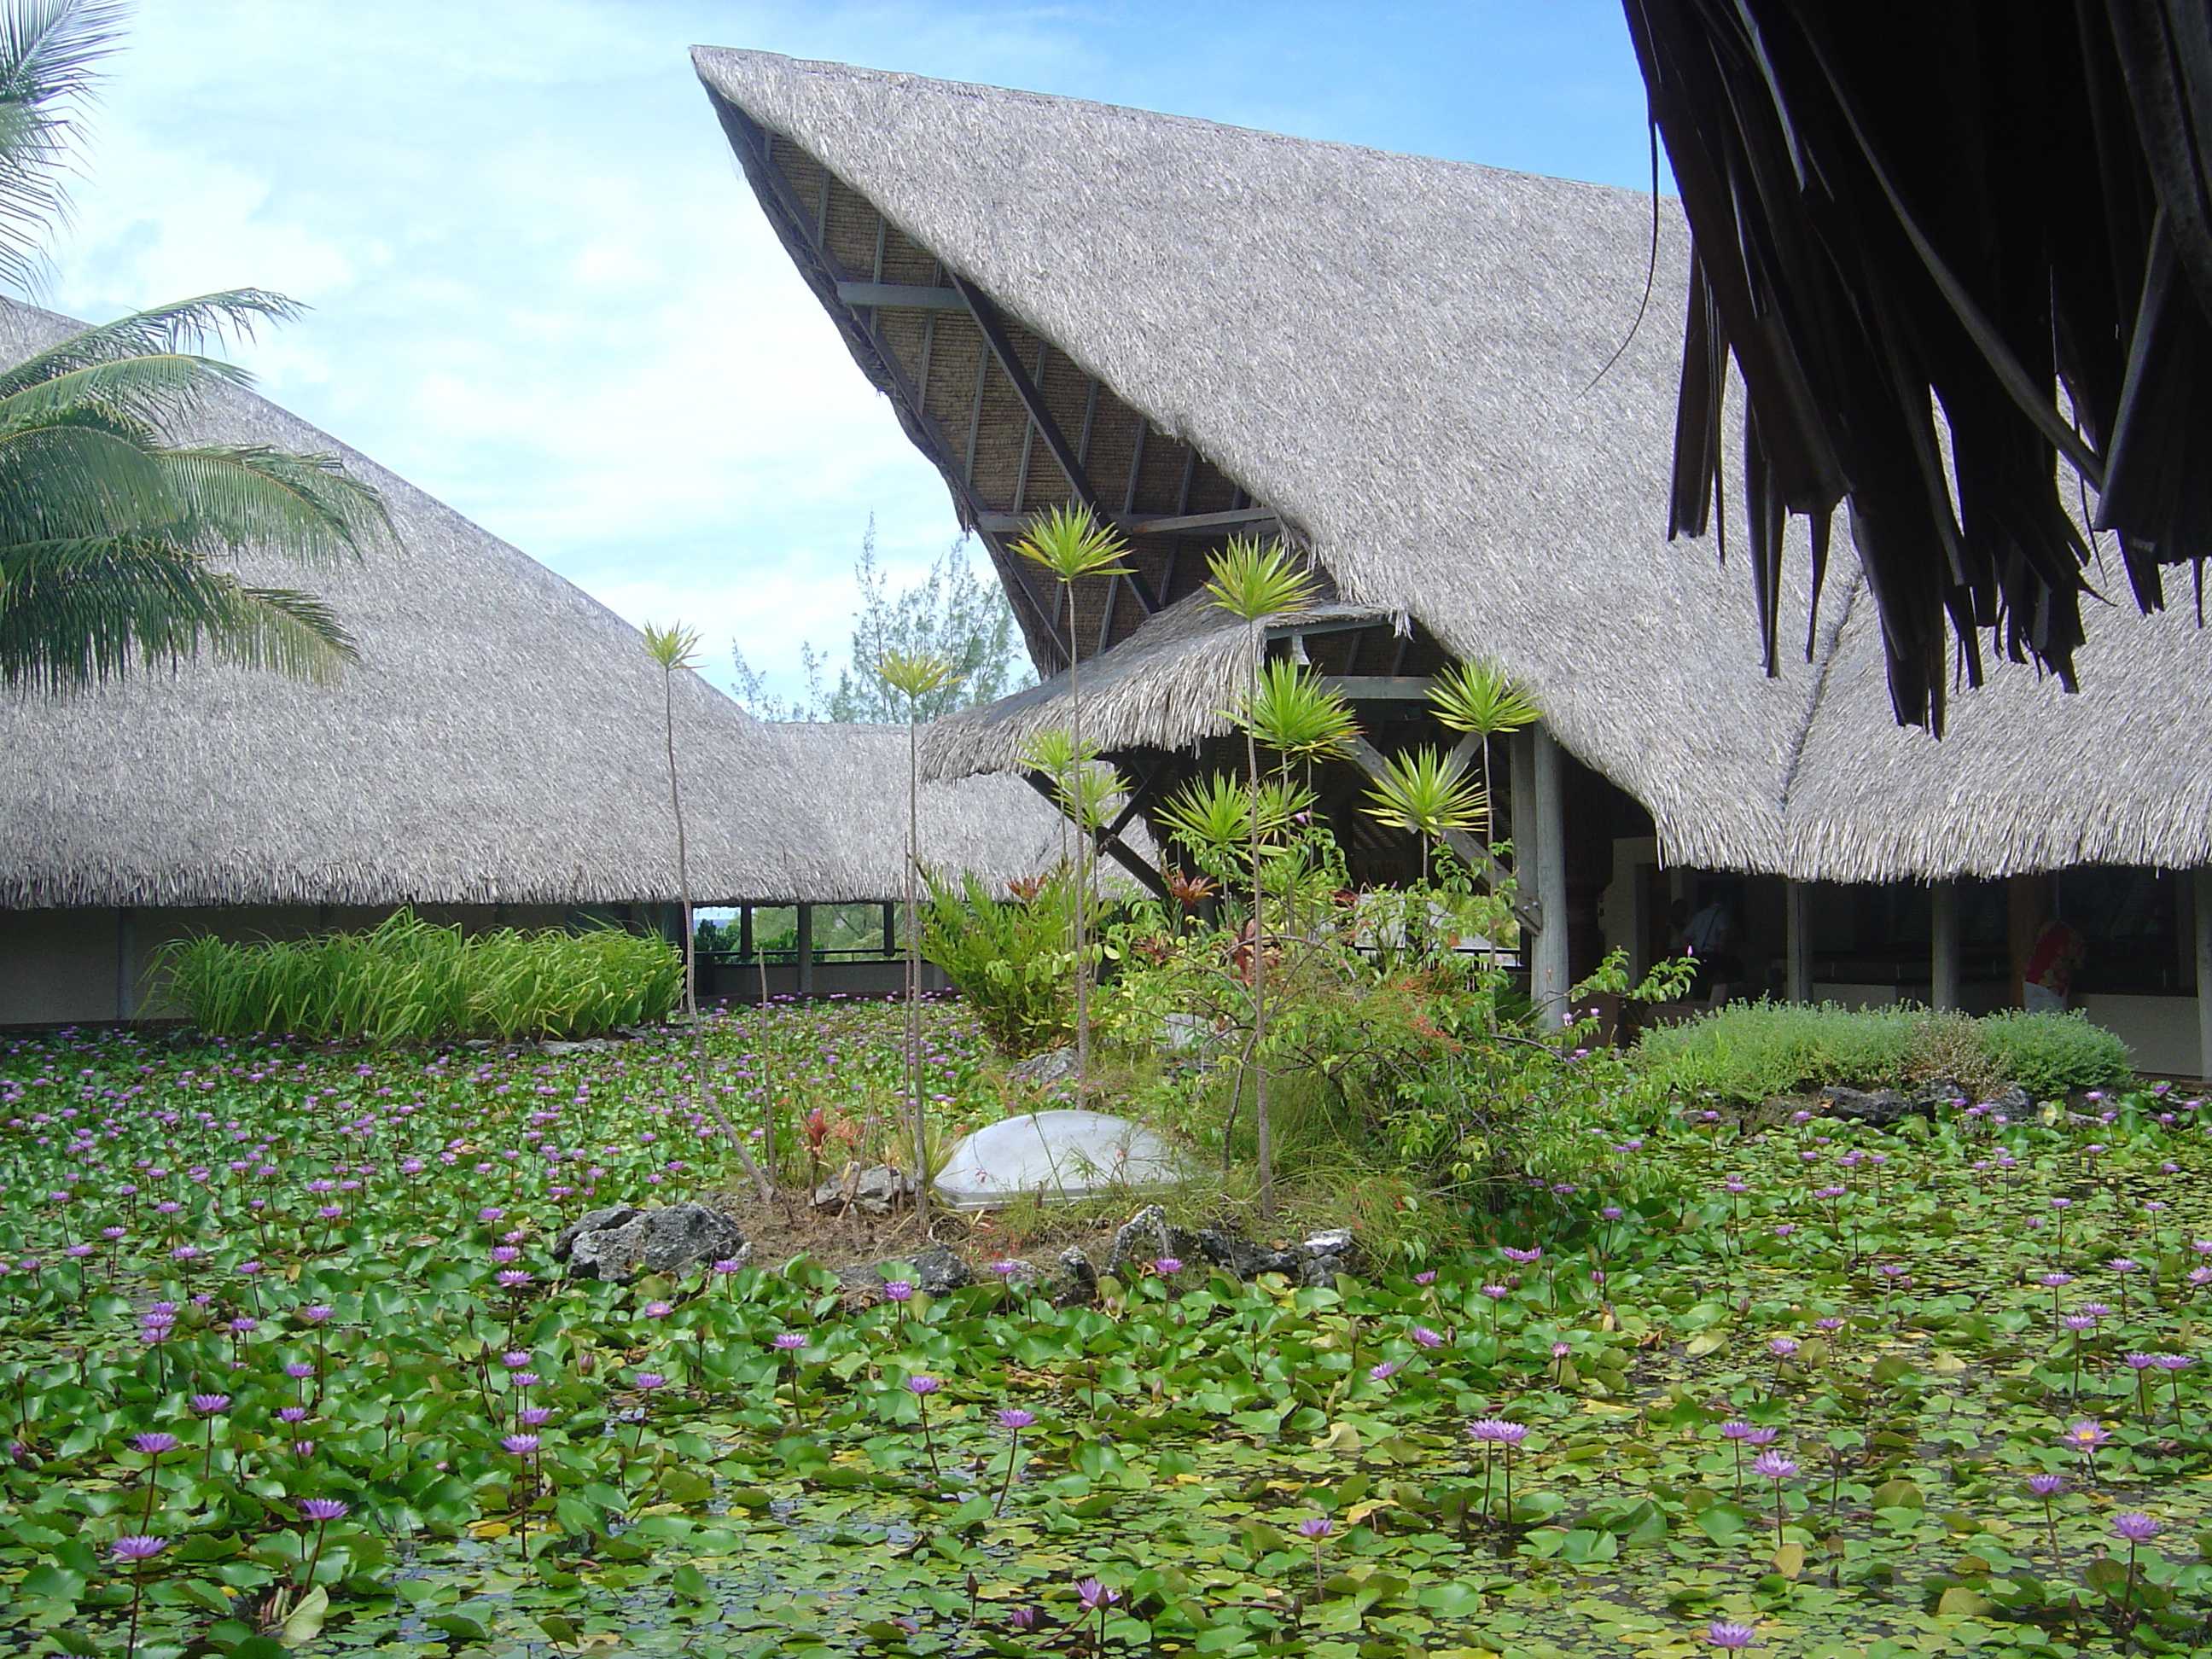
(498, 742)
(1914, 224)
(1406, 361)
(854, 779)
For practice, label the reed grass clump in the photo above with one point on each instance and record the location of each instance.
(408, 980)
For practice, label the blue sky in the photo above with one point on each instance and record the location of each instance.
(541, 292)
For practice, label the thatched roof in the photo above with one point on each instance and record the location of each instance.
(1401, 358)
(855, 782)
(500, 741)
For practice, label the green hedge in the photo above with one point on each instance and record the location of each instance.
(1750, 1051)
(410, 979)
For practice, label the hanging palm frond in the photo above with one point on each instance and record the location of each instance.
(1917, 223)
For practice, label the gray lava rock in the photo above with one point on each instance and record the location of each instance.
(1146, 1236)
(877, 1190)
(580, 1046)
(1324, 1256)
(932, 1270)
(1043, 1071)
(1877, 1109)
(617, 1244)
(1243, 1258)
(1077, 1280)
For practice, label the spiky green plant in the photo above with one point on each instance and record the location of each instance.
(914, 674)
(1071, 546)
(1477, 698)
(1429, 794)
(1253, 583)
(675, 648)
(1292, 713)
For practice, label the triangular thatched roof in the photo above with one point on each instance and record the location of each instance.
(500, 741)
(1400, 359)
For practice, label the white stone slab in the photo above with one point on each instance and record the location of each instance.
(1058, 1157)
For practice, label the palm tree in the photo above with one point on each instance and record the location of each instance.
(110, 537)
(1071, 544)
(914, 676)
(672, 648)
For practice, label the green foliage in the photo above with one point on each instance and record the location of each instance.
(1750, 1051)
(1069, 543)
(412, 981)
(1475, 697)
(1010, 961)
(2050, 1055)
(952, 612)
(673, 647)
(1289, 709)
(1428, 793)
(1253, 582)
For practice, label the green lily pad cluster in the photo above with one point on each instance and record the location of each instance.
(285, 1366)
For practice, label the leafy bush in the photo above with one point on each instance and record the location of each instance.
(1010, 961)
(2047, 1054)
(1750, 1051)
(410, 979)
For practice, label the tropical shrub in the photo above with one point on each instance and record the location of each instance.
(408, 980)
(2049, 1055)
(1750, 1051)
(1009, 960)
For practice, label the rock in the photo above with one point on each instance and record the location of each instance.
(932, 1270)
(1077, 1280)
(617, 1244)
(1058, 1157)
(1877, 1109)
(1192, 1033)
(1044, 1070)
(2014, 1103)
(582, 1046)
(878, 1188)
(1146, 1236)
(1326, 1254)
(1241, 1258)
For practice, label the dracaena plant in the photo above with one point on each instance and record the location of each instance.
(674, 650)
(1429, 794)
(1253, 583)
(914, 674)
(1071, 546)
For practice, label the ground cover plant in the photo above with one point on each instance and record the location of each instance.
(1749, 1051)
(285, 1367)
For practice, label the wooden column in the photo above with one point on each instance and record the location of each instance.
(1549, 970)
(1943, 945)
(890, 930)
(2203, 885)
(744, 932)
(806, 949)
(1797, 945)
(126, 962)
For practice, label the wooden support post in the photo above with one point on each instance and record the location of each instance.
(126, 962)
(1798, 945)
(744, 932)
(1548, 978)
(1943, 943)
(2203, 883)
(890, 930)
(806, 949)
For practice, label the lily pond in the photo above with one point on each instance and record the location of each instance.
(286, 1367)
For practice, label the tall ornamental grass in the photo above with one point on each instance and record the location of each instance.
(410, 981)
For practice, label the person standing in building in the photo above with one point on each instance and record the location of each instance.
(1710, 938)
(2048, 981)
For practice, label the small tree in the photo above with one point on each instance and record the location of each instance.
(914, 677)
(1429, 794)
(1071, 544)
(1253, 583)
(676, 647)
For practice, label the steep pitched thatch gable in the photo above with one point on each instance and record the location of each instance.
(500, 741)
(1400, 359)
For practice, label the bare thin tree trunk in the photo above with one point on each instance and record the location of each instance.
(1262, 1129)
(1082, 868)
(914, 960)
(703, 1095)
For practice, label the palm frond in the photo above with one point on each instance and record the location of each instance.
(76, 611)
(1254, 582)
(232, 314)
(1477, 698)
(48, 49)
(1290, 710)
(307, 508)
(70, 481)
(1428, 793)
(144, 390)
